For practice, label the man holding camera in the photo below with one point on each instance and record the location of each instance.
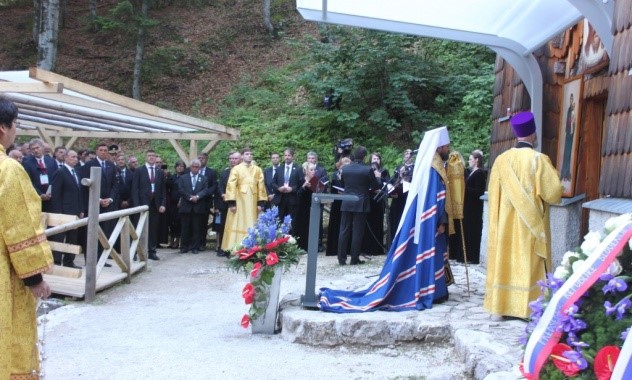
(148, 189)
(357, 179)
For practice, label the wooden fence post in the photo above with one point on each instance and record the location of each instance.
(92, 240)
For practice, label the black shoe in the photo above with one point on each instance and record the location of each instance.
(153, 256)
(195, 251)
(359, 262)
(183, 251)
(72, 265)
(342, 263)
(442, 299)
(221, 253)
(108, 265)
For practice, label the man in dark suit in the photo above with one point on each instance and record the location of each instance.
(148, 189)
(108, 196)
(211, 177)
(268, 176)
(357, 179)
(193, 188)
(67, 198)
(125, 182)
(41, 168)
(286, 182)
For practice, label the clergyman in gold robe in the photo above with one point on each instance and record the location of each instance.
(24, 256)
(522, 185)
(246, 196)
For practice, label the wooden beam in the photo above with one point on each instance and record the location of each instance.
(31, 87)
(180, 150)
(44, 135)
(117, 135)
(71, 142)
(210, 146)
(124, 101)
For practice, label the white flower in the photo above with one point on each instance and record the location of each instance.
(614, 222)
(566, 260)
(561, 273)
(292, 240)
(615, 268)
(578, 265)
(591, 242)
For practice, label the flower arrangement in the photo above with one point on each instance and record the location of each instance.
(266, 247)
(594, 327)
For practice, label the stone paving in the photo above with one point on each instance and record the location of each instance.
(489, 349)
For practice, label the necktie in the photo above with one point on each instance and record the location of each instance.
(193, 180)
(40, 164)
(60, 165)
(103, 166)
(123, 175)
(152, 178)
(74, 175)
(287, 174)
(273, 171)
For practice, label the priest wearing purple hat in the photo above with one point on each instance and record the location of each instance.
(522, 185)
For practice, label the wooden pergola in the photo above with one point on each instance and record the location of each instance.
(60, 110)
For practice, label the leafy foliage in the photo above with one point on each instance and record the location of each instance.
(390, 88)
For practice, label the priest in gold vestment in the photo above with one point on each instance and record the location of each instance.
(24, 256)
(245, 195)
(522, 185)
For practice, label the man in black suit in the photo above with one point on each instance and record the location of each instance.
(41, 168)
(193, 188)
(67, 198)
(268, 176)
(211, 177)
(286, 182)
(125, 177)
(357, 179)
(108, 196)
(148, 189)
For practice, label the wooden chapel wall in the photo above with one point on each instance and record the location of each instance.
(616, 154)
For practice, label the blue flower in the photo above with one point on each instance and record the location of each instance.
(624, 335)
(577, 358)
(622, 307)
(615, 285)
(609, 308)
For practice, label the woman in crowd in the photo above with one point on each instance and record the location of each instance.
(24, 256)
(373, 243)
(304, 194)
(172, 204)
(475, 184)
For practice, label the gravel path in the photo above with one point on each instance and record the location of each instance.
(180, 320)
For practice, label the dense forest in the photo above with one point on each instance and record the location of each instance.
(279, 79)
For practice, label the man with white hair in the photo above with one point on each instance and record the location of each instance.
(414, 275)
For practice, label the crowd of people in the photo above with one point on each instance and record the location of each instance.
(184, 204)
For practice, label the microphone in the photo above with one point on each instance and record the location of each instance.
(414, 151)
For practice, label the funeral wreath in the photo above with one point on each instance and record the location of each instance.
(266, 247)
(586, 336)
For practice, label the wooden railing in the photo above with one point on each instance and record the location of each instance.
(133, 244)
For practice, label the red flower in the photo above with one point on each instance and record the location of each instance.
(277, 242)
(248, 293)
(255, 270)
(243, 254)
(245, 321)
(568, 368)
(605, 361)
(272, 259)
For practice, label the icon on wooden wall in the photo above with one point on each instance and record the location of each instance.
(568, 134)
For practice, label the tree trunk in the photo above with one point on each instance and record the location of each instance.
(48, 34)
(37, 19)
(92, 9)
(140, 48)
(266, 17)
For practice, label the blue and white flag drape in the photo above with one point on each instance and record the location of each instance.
(413, 275)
